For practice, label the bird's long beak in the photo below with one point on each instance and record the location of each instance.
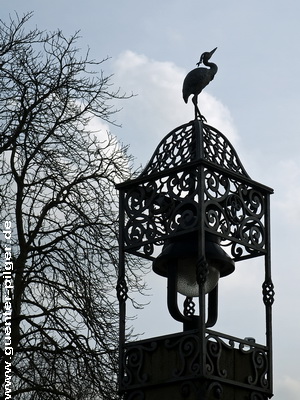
(212, 52)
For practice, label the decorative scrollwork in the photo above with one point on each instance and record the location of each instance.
(235, 353)
(218, 150)
(237, 251)
(182, 184)
(215, 389)
(253, 201)
(148, 249)
(260, 364)
(184, 216)
(171, 196)
(214, 353)
(228, 360)
(154, 210)
(177, 148)
(188, 350)
(216, 186)
(139, 229)
(235, 209)
(268, 292)
(180, 147)
(134, 364)
(216, 219)
(252, 233)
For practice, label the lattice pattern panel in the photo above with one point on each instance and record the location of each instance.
(237, 360)
(194, 141)
(218, 150)
(172, 204)
(158, 208)
(177, 358)
(177, 148)
(169, 199)
(236, 211)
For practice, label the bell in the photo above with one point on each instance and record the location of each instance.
(182, 252)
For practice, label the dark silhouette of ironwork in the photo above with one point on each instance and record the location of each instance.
(195, 184)
(194, 199)
(197, 79)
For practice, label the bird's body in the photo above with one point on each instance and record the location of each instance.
(197, 79)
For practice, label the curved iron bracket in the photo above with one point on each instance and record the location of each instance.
(190, 322)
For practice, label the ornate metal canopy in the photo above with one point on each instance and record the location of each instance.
(195, 182)
(195, 178)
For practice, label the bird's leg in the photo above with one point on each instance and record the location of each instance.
(197, 111)
(195, 101)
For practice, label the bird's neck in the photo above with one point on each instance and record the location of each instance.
(213, 67)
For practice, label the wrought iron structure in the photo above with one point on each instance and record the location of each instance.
(195, 185)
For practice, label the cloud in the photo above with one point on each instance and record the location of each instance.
(158, 107)
(288, 389)
(287, 201)
(99, 127)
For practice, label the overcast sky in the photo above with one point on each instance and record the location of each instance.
(253, 100)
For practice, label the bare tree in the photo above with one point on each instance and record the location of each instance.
(58, 199)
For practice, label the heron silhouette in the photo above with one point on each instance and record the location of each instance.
(197, 79)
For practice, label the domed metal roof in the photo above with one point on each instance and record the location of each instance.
(192, 142)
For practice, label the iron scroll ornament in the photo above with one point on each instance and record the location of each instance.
(193, 185)
(183, 145)
(166, 199)
(237, 211)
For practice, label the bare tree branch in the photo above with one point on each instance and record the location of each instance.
(58, 181)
